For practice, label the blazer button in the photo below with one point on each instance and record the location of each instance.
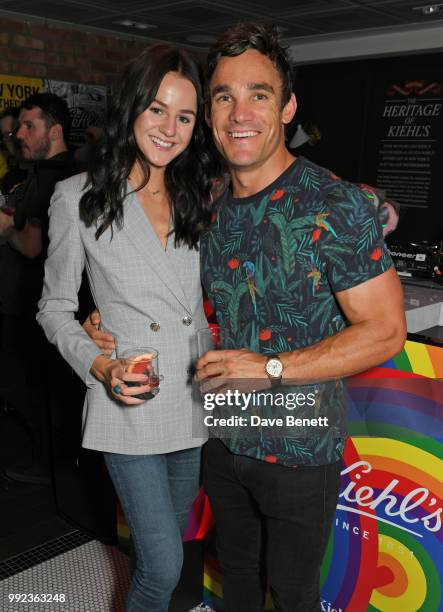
(155, 327)
(187, 320)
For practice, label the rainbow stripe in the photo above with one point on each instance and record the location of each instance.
(200, 522)
(377, 560)
(392, 564)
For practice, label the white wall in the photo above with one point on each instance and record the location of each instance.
(370, 43)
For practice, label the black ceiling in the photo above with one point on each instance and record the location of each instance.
(196, 23)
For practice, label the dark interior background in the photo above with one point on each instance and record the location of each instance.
(334, 96)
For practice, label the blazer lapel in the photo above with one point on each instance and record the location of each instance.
(144, 238)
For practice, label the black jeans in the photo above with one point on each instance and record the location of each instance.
(272, 525)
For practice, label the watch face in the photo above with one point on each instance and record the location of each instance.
(274, 368)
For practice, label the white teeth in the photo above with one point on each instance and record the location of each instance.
(242, 134)
(161, 143)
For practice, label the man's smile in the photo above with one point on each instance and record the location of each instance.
(242, 133)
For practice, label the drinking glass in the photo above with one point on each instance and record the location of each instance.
(209, 339)
(142, 360)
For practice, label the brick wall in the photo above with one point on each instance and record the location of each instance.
(33, 49)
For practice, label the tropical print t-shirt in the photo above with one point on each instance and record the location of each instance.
(271, 264)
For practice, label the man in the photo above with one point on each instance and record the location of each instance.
(8, 125)
(299, 278)
(12, 180)
(15, 174)
(296, 270)
(42, 134)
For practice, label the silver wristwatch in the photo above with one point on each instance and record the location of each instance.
(274, 370)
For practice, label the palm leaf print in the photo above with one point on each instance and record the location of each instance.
(262, 266)
(280, 345)
(326, 318)
(302, 222)
(279, 329)
(234, 304)
(349, 201)
(369, 234)
(221, 286)
(288, 244)
(333, 252)
(291, 189)
(248, 336)
(295, 448)
(254, 343)
(295, 288)
(304, 247)
(232, 245)
(258, 213)
(220, 301)
(289, 315)
(323, 310)
(309, 178)
(287, 208)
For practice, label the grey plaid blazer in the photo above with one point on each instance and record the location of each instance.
(146, 297)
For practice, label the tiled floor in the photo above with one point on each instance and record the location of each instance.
(86, 576)
(41, 553)
(92, 577)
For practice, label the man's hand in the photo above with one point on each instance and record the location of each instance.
(6, 221)
(235, 370)
(390, 218)
(103, 340)
(27, 241)
(231, 364)
(112, 373)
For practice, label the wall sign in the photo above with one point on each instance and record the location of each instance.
(403, 146)
(87, 103)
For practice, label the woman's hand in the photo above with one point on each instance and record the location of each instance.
(112, 373)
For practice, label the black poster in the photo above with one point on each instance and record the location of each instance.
(404, 137)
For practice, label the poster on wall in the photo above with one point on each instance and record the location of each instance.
(15, 89)
(403, 151)
(87, 103)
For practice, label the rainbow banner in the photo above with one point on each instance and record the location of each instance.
(385, 551)
(200, 520)
(199, 524)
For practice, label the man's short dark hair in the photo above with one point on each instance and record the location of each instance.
(54, 110)
(262, 38)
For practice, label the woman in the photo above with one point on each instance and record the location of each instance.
(134, 224)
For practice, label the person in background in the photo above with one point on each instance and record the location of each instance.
(301, 283)
(84, 153)
(16, 172)
(41, 136)
(134, 222)
(12, 180)
(388, 210)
